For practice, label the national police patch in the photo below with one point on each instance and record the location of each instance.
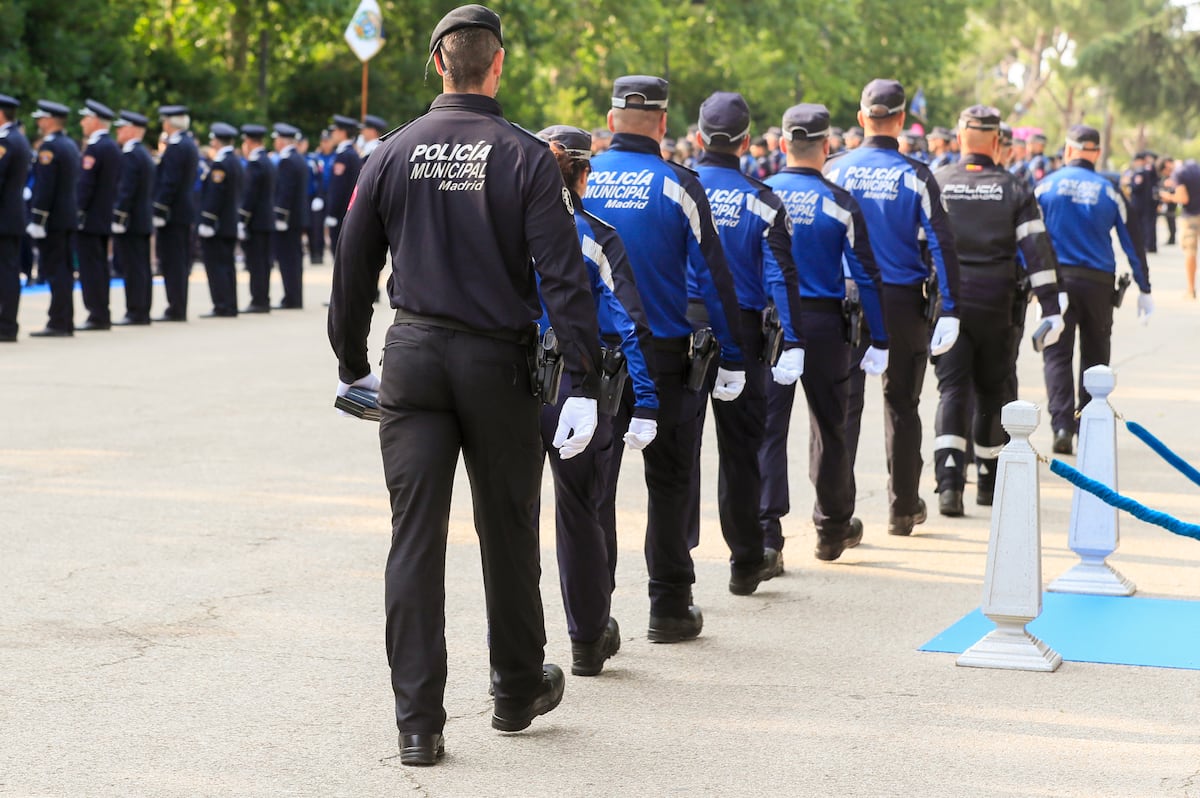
(339, 168)
(218, 176)
(88, 162)
(787, 222)
(45, 157)
(2, 151)
(570, 206)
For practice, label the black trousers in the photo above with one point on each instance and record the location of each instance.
(94, 275)
(586, 557)
(316, 238)
(289, 254)
(444, 392)
(1169, 211)
(54, 263)
(174, 247)
(10, 284)
(334, 232)
(221, 267)
(669, 462)
(133, 252)
(980, 364)
(1146, 219)
(257, 249)
(1090, 315)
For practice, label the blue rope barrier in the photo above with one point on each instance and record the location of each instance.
(1158, 446)
(1114, 499)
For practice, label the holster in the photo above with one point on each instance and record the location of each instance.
(1122, 286)
(546, 368)
(702, 351)
(772, 329)
(852, 315)
(933, 301)
(1020, 301)
(614, 372)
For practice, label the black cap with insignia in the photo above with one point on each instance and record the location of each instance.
(256, 132)
(640, 93)
(97, 109)
(347, 123)
(172, 110)
(9, 102)
(806, 122)
(724, 114)
(375, 122)
(127, 117)
(1083, 137)
(472, 16)
(47, 108)
(979, 117)
(283, 130)
(881, 98)
(575, 141)
(223, 131)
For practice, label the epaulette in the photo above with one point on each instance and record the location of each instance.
(396, 130)
(596, 220)
(678, 167)
(754, 181)
(529, 133)
(833, 156)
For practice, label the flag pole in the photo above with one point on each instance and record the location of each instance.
(364, 92)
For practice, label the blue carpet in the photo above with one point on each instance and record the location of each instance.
(1159, 633)
(116, 282)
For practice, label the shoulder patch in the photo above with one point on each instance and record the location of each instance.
(566, 198)
(88, 162)
(3, 150)
(218, 175)
(45, 157)
(339, 168)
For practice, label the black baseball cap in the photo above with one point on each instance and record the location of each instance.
(979, 117)
(724, 114)
(640, 93)
(472, 16)
(1083, 137)
(881, 98)
(805, 122)
(347, 123)
(376, 122)
(575, 141)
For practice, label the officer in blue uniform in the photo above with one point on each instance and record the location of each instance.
(220, 203)
(940, 153)
(15, 157)
(755, 232)
(291, 215)
(343, 175)
(582, 544)
(901, 202)
(828, 230)
(468, 232)
(316, 201)
(101, 168)
(1082, 209)
(257, 217)
(55, 219)
(662, 215)
(1143, 200)
(371, 129)
(175, 208)
(1039, 164)
(133, 217)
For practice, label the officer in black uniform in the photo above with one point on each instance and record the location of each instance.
(175, 208)
(220, 202)
(133, 217)
(257, 215)
(1040, 164)
(442, 194)
(1143, 200)
(372, 128)
(15, 157)
(97, 193)
(291, 215)
(994, 215)
(316, 199)
(346, 165)
(54, 207)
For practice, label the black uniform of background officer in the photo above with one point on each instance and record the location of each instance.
(54, 216)
(175, 208)
(14, 171)
(1143, 200)
(291, 215)
(992, 213)
(464, 200)
(97, 193)
(257, 215)
(344, 174)
(133, 217)
(220, 201)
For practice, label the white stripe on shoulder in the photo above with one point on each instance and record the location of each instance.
(760, 209)
(1042, 188)
(1029, 228)
(835, 211)
(917, 186)
(1038, 279)
(1116, 198)
(675, 192)
(595, 253)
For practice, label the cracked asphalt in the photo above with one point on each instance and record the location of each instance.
(191, 602)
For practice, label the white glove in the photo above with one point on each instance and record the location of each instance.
(945, 333)
(205, 231)
(35, 230)
(576, 425)
(875, 361)
(159, 221)
(118, 229)
(1063, 301)
(241, 231)
(729, 385)
(27, 194)
(331, 221)
(790, 367)
(1057, 325)
(369, 382)
(642, 432)
(1145, 308)
(318, 205)
(281, 226)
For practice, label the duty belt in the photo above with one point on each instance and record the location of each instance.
(521, 337)
(1085, 273)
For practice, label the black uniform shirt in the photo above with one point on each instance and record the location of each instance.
(135, 193)
(98, 183)
(469, 206)
(291, 189)
(346, 165)
(258, 199)
(174, 195)
(222, 193)
(54, 177)
(14, 171)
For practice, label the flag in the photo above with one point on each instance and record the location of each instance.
(364, 34)
(917, 106)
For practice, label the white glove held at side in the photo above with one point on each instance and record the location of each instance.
(641, 434)
(1145, 308)
(35, 231)
(945, 333)
(790, 367)
(875, 361)
(729, 385)
(369, 382)
(576, 426)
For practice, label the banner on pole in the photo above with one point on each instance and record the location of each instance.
(364, 34)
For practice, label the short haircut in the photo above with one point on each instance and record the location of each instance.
(467, 55)
(633, 120)
(805, 149)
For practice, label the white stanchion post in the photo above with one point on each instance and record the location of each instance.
(1012, 585)
(1095, 527)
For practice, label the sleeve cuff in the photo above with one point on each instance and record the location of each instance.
(883, 345)
(650, 413)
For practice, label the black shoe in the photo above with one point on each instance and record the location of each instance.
(984, 497)
(51, 332)
(829, 549)
(510, 716)
(165, 317)
(91, 325)
(128, 322)
(903, 524)
(950, 503)
(8, 339)
(421, 749)
(1064, 442)
(587, 659)
(667, 629)
(256, 309)
(744, 584)
(288, 306)
(221, 314)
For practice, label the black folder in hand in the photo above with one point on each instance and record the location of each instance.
(360, 403)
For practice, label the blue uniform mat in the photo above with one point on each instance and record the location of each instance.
(44, 288)
(1111, 630)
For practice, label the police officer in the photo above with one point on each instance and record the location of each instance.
(1143, 200)
(900, 200)
(940, 153)
(1082, 209)
(371, 129)
(755, 232)
(316, 199)
(175, 208)
(15, 157)
(54, 207)
(583, 546)
(220, 202)
(441, 194)
(854, 137)
(662, 214)
(343, 175)
(98, 178)
(1039, 162)
(291, 215)
(994, 215)
(133, 217)
(827, 230)
(1018, 163)
(257, 215)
